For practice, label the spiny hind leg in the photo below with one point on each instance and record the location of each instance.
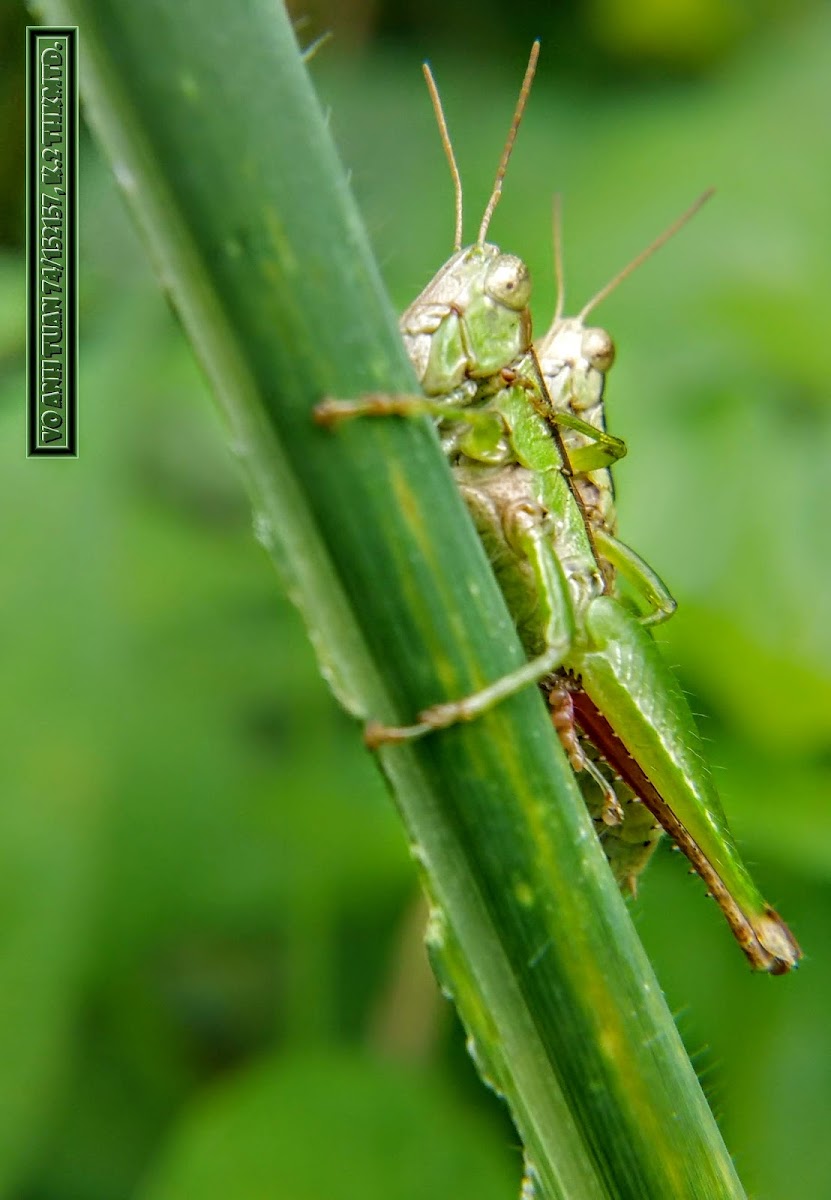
(531, 540)
(562, 718)
(645, 582)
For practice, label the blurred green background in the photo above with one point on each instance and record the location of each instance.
(211, 981)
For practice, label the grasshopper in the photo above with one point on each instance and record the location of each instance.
(469, 337)
(575, 359)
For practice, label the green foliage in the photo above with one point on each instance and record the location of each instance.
(164, 919)
(340, 1125)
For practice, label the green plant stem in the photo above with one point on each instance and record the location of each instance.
(207, 115)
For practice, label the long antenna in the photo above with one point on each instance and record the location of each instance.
(645, 254)
(559, 276)
(509, 144)
(448, 150)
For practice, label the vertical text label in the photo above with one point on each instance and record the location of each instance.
(52, 240)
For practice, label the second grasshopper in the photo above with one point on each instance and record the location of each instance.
(575, 359)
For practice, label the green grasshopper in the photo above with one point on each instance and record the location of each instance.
(469, 336)
(575, 359)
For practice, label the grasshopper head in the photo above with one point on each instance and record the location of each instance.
(472, 319)
(575, 357)
(494, 310)
(574, 360)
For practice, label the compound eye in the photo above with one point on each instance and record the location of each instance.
(508, 281)
(598, 349)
